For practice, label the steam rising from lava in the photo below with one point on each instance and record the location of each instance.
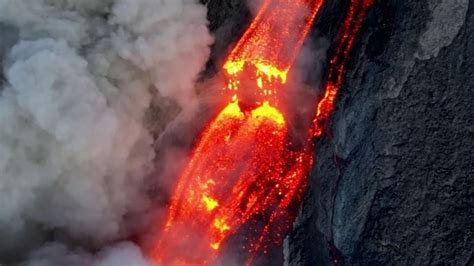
(74, 149)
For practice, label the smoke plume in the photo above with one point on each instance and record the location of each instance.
(79, 77)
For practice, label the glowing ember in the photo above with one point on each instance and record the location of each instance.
(244, 171)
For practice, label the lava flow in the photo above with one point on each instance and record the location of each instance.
(245, 172)
(347, 35)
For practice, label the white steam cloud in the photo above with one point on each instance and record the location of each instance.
(74, 150)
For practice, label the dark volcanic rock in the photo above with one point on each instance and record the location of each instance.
(394, 186)
(227, 21)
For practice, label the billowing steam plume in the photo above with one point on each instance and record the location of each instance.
(78, 78)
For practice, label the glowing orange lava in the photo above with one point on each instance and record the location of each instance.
(241, 167)
(270, 45)
(244, 170)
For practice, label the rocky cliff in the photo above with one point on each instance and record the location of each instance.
(393, 181)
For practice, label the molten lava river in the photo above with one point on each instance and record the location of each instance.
(247, 174)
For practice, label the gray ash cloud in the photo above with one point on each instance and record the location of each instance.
(78, 79)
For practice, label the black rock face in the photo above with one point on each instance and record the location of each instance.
(227, 21)
(393, 184)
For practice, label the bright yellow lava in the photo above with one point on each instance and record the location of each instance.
(232, 110)
(221, 225)
(215, 246)
(272, 72)
(269, 112)
(209, 202)
(234, 67)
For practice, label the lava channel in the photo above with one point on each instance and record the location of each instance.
(245, 170)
